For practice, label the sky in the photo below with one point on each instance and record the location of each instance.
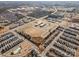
(39, 0)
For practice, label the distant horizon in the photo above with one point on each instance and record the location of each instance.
(51, 3)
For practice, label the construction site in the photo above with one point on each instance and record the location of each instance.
(53, 35)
